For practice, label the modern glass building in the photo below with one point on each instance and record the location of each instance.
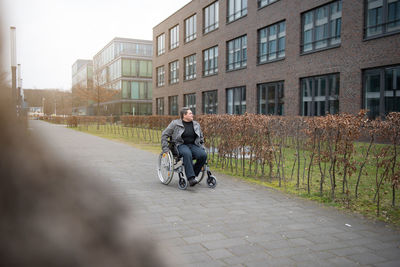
(82, 78)
(125, 65)
(82, 73)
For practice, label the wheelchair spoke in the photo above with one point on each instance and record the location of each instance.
(165, 168)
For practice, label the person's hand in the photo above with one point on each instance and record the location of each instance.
(165, 150)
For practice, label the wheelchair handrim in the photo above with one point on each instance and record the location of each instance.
(165, 168)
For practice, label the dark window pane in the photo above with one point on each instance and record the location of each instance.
(320, 95)
(373, 107)
(270, 98)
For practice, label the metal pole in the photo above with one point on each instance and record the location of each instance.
(13, 64)
(20, 94)
(19, 79)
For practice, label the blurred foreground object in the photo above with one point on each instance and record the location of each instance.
(51, 215)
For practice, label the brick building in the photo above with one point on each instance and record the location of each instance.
(286, 57)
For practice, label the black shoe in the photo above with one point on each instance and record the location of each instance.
(192, 181)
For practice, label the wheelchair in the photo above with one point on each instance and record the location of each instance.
(171, 162)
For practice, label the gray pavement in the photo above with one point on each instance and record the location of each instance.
(235, 224)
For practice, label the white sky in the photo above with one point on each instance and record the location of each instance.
(52, 34)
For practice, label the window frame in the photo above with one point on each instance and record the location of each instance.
(192, 23)
(160, 75)
(172, 71)
(384, 24)
(174, 33)
(242, 11)
(328, 96)
(162, 50)
(330, 38)
(242, 53)
(260, 3)
(143, 90)
(207, 27)
(207, 60)
(241, 90)
(278, 49)
(171, 101)
(188, 101)
(279, 94)
(383, 93)
(160, 106)
(210, 105)
(190, 67)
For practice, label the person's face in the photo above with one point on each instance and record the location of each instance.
(188, 116)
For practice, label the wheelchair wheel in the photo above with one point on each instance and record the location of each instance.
(211, 181)
(182, 183)
(165, 168)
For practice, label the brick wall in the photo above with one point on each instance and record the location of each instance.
(349, 59)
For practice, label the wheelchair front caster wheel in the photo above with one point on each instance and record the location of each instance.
(211, 181)
(182, 183)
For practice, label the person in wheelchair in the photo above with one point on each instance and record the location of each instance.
(186, 135)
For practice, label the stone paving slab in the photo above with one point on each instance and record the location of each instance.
(235, 224)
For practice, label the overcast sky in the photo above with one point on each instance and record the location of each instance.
(52, 34)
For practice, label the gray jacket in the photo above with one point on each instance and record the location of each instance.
(175, 130)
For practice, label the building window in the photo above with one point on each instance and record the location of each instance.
(211, 17)
(174, 37)
(114, 70)
(173, 105)
(236, 9)
(160, 106)
(270, 98)
(210, 102)
(136, 68)
(321, 27)
(145, 68)
(236, 100)
(210, 61)
(237, 53)
(129, 67)
(382, 91)
(160, 76)
(174, 72)
(263, 3)
(320, 95)
(382, 17)
(136, 90)
(190, 28)
(134, 108)
(190, 102)
(271, 42)
(120, 48)
(161, 44)
(190, 67)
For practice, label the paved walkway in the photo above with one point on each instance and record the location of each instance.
(235, 224)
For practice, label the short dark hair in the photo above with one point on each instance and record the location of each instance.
(184, 111)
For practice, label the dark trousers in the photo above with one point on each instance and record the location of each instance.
(190, 152)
